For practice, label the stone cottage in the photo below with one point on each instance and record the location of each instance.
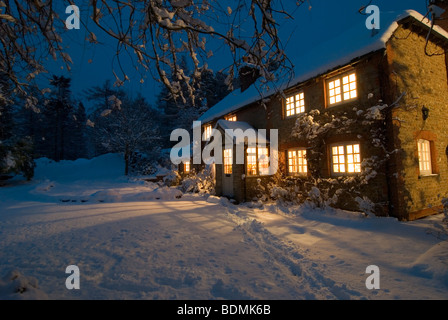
(362, 126)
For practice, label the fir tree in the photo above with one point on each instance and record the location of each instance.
(57, 118)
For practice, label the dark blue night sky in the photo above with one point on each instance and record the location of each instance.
(314, 21)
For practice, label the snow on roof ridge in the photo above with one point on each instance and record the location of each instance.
(242, 125)
(237, 99)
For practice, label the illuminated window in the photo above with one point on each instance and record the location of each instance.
(424, 157)
(251, 161)
(207, 132)
(297, 163)
(187, 166)
(342, 88)
(261, 166)
(295, 104)
(263, 161)
(231, 118)
(346, 158)
(228, 160)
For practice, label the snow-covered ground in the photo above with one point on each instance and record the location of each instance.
(135, 240)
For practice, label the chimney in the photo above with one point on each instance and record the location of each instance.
(248, 75)
(439, 12)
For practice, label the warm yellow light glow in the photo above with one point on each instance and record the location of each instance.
(187, 166)
(346, 158)
(295, 104)
(347, 91)
(424, 156)
(251, 161)
(228, 160)
(231, 118)
(207, 132)
(297, 161)
(263, 161)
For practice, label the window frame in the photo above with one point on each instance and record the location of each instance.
(207, 132)
(297, 165)
(231, 117)
(294, 103)
(257, 156)
(341, 87)
(226, 164)
(187, 166)
(428, 161)
(346, 155)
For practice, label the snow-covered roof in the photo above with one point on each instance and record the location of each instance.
(339, 51)
(244, 126)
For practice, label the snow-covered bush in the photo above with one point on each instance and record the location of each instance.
(201, 182)
(316, 127)
(142, 164)
(445, 211)
(16, 157)
(15, 285)
(172, 179)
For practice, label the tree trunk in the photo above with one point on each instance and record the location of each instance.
(126, 160)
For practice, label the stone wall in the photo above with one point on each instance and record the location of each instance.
(424, 80)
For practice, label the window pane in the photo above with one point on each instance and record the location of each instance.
(207, 132)
(228, 159)
(349, 158)
(352, 77)
(346, 158)
(263, 161)
(351, 168)
(251, 165)
(424, 156)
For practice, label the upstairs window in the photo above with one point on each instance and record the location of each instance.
(345, 158)
(342, 88)
(231, 118)
(207, 132)
(295, 104)
(424, 157)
